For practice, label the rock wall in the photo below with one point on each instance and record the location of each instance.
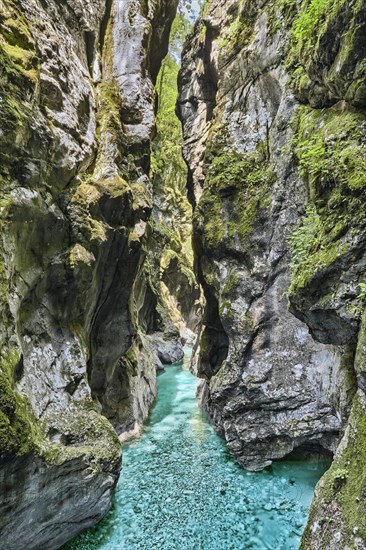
(272, 98)
(77, 107)
(170, 258)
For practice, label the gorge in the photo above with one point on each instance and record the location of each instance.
(100, 284)
(181, 488)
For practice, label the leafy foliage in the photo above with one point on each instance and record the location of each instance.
(310, 249)
(306, 239)
(309, 16)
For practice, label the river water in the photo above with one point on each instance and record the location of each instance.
(180, 489)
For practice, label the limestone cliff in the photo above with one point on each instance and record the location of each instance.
(77, 107)
(272, 98)
(169, 261)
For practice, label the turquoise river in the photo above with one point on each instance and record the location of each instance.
(180, 488)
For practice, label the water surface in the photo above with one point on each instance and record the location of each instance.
(180, 489)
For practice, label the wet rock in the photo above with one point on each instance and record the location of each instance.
(168, 351)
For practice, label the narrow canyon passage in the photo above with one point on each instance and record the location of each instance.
(181, 489)
(182, 199)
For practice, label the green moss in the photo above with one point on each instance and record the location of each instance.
(231, 284)
(5, 314)
(87, 433)
(169, 248)
(236, 35)
(17, 431)
(360, 362)
(78, 254)
(19, 74)
(280, 14)
(86, 194)
(236, 188)
(205, 9)
(343, 486)
(226, 310)
(114, 187)
(88, 227)
(131, 358)
(316, 18)
(329, 146)
(21, 60)
(311, 15)
(310, 250)
(109, 102)
(14, 26)
(140, 197)
(213, 227)
(20, 432)
(108, 91)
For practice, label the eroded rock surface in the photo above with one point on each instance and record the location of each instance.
(269, 381)
(76, 120)
(271, 100)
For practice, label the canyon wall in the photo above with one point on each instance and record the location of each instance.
(272, 99)
(77, 106)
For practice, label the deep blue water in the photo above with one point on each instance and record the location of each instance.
(180, 489)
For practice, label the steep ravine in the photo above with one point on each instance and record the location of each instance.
(272, 99)
(98, 283)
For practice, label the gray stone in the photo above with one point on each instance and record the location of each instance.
(76, 118)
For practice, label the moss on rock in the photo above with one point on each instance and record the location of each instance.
(19, 73)
(326, 40)
(237, 187)
(331, 153)
(338, 513)
(18, 429)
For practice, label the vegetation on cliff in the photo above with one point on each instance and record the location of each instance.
(236, 188)
(169, 250)
(331, 152)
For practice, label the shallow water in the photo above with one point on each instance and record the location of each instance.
(180, 489)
